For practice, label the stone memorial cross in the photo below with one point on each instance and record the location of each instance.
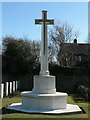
(44, 42)
(43, 98)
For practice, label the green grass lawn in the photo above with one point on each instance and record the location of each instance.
(72, 99)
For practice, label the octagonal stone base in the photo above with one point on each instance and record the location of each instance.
(44, 99)
(36, 101)
(45, 103)
(71, 109)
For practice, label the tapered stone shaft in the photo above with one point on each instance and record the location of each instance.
(44, 42)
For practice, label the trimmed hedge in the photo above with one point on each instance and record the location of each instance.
(67, 79)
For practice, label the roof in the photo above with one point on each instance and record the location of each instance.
(75, 48)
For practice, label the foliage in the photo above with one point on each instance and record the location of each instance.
(83, 91)
(19, 56)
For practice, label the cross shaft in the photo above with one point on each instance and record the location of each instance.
(44, 43)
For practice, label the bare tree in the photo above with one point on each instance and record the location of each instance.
(60, 33)
(86, 40)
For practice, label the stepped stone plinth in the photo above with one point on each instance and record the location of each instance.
(44, 95)
(44, 84)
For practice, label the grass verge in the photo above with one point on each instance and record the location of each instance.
(72, 99)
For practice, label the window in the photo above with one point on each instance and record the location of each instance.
(78, 58)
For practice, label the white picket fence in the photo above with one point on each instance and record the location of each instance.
(8, 88)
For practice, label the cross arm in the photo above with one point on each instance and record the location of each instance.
(38, 21)
(50, 22)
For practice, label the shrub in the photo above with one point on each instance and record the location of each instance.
(83, 91)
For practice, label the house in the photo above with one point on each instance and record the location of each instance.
(74, 54)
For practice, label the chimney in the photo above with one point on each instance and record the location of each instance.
(75, 41)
